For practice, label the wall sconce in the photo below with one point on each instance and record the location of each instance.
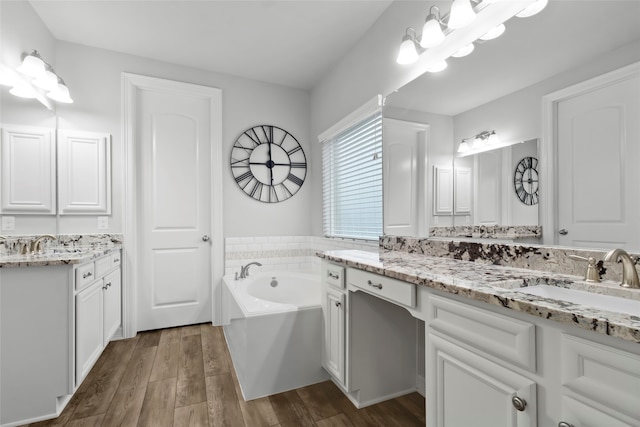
(484, 141)
(35, 77)
(462, 13)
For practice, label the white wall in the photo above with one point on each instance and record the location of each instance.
(93, 77)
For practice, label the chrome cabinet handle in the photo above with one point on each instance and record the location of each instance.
(333, 275)
(563, 232)
(105, 287)
(87, 274)
(205, 238)
(116, 260)
(378, 286)
(564, 424)
(519, 403)
(338, 304)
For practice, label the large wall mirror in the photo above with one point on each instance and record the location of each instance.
(501, 87)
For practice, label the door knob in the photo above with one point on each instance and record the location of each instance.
(205, 238)
(563, 232)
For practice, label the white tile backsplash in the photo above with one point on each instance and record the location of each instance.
(283, 252)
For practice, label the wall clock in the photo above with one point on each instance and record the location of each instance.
(525, 180)
(268, 163)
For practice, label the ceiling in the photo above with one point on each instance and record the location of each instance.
(565, 35)
(292, 43)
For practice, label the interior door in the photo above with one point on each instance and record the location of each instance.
(598, 156)
(175, 209)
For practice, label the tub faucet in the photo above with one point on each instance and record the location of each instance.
(629, 272)
(244, 271)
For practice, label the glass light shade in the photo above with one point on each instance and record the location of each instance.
(464, 51)
(464, 147)
(60, 94)
(461, 14)
(532, 9)
(432, 34)
(493, 139)
(408, 53)
(477, 143)
(48, 82)
(494, 33)
(437, 67)
(23, 90)
(32, 66)
(7, 76)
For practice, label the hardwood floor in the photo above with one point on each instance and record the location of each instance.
(184, 377)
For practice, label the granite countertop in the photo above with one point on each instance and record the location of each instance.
(58, 256)
(496, 285)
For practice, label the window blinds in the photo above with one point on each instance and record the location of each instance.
(352, 181)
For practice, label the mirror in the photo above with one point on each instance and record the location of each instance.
(500, 87)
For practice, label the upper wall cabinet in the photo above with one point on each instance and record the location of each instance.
(84, 173)
(28, 174)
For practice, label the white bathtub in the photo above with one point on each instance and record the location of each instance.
(274, 333)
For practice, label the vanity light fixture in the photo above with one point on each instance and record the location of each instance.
(484, 141)
(462, 13)
(408, 50)
(437, 67)
(36, 78)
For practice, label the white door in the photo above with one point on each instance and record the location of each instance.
(598, 135)
(334, 351)
(403, 143)
(173, 132)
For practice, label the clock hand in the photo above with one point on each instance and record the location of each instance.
(270, 163)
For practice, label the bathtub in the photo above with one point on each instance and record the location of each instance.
(273, 327)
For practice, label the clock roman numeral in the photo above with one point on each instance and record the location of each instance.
(257, 189)
(268, 132)
(293, 150)
(255, 139)
(243, 163)
(244, 176)
(298, 165)
(295, 179)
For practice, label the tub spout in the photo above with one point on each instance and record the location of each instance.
(244, 271)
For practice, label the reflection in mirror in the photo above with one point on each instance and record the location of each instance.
(500, 87)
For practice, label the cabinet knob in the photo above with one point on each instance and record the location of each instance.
(378, 286)
(116, 260)
(564, 424)
(205, 238)
(338, 304)
(563, 232)
(87, 274)
(519, 403)
(105, 287)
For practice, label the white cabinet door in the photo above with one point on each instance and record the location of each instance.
(112, 304)
(465, 389)
(28, 171)
(84, 172)
(334, 340)
(89, 329)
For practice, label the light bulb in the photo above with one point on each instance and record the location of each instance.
(60, 94)
(32, 65)
(532, 9)
(48, 82)
(494, 33)
(408, 53)
(464, 147)
(493, 139)
(464, 51)
(437, 67)
(432, 34)
(461, 14)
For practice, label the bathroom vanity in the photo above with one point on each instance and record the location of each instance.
(58, 312)
(494, 355)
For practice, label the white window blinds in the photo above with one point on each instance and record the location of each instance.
(352, 181)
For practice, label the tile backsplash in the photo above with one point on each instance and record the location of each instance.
(283, 252)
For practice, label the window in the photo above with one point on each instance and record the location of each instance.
(352, 181)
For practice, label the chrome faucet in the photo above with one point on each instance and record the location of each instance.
(629, 272)
(35, 246)
(244, 271)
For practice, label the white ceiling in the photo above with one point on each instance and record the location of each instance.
(565, 35)
(292, 43)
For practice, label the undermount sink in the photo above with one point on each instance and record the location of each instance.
(589, 299)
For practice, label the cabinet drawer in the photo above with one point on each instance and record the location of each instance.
(334, 275)
(85, 274)
(102, 265)
(502, 337)
(391, 289)
(116, 259)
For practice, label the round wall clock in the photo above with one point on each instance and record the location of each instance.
(525, 180)
(268, 163)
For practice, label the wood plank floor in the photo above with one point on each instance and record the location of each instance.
(184, 377)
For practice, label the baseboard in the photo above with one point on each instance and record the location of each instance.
(421, 385)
